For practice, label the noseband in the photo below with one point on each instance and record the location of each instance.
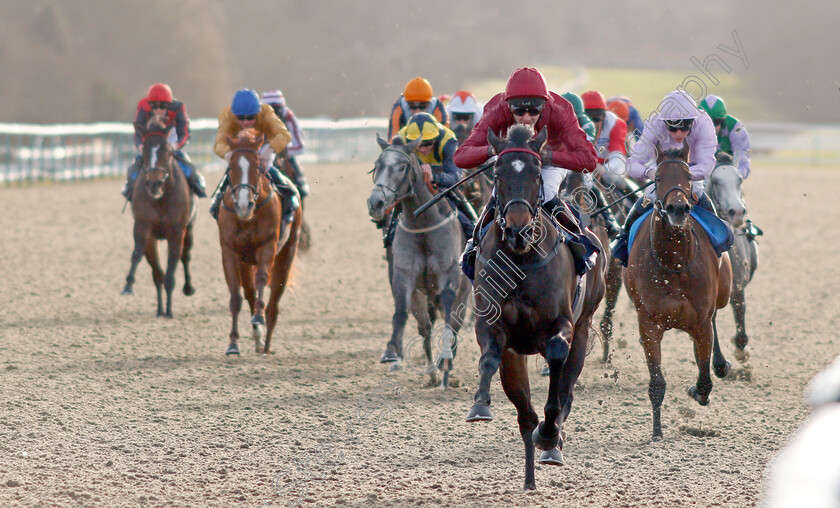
(396, 192)
(252, 189)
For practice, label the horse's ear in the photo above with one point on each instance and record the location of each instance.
(382, 142)
(538, 142)
(684, 152)
(410, 147)
(494, 141)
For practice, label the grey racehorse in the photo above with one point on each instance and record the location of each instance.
(425, 256)
(724, 188)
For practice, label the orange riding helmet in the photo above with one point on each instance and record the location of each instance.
(418, 90)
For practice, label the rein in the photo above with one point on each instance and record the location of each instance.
(660, 208)
(449, 218)
(405, 177)
(251, 188)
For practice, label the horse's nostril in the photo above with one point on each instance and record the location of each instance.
(732, 212)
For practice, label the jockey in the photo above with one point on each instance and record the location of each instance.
(635, 125)
(526, 100)
(732, 137)
(733, 145)
(435, 152)
(676, 122)
(464, 111)
(610, 133)
(584, 121)
(160, 103)
(277, 102)
(246, 112)
(417, 97)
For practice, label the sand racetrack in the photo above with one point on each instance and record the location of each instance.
(103, 404)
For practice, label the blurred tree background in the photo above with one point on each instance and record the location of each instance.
(92, 60)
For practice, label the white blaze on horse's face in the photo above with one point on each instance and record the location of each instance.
(518, 165)
(153, 158)
(243, 195)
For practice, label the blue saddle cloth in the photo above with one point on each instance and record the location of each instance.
(719, 231)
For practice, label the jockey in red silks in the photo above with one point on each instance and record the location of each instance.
(526, 100)
(159, 102)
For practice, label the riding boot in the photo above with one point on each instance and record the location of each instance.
(564, 215)
(463, 205)
(613, 229)
(619, 245)
(580, 246)
(217, 197)
(467, 260)
(390, 226)
(287, 190)
(466, 214)
(194, 178)
(131, 176)
(299, 179)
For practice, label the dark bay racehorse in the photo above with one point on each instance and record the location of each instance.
(676, 280)
(425, 255)
(163, 209)
(724, 188)
(257, 251)
(528, 300)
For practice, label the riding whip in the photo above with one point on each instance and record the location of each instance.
(619, 200)
(428, 204)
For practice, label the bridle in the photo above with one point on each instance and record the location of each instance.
(166, 170)
(533, 209)
(660, 199)
(409, 169)
(253, 191)
(660, 207)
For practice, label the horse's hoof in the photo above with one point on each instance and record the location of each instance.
(722, 370)
(694, 394)
(544, 442)
(189, 290)
(656, 438)
(232, 349)
(259, 319)
(444, 383)
(532, 485)
(552, 457)
(127, 291)
(546, 371)
(389, 356)
(742, 355)
(479, 413)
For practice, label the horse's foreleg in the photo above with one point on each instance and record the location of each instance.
(448, 337)
(157, 272)
(651, 339)
(140, 239)
(703, 345)
(419, 306)
(514, 377)
(488, 364)
(265, 260)
(547, 434)
(401, 291)
(189, 290)
(613, 289)
(230, 262)
(175, 242)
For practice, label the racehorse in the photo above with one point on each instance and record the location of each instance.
(528, 300)
(163, 208)
(257, 250)
(676, 280)
(724, 188)
(425, 253)
(282, 162)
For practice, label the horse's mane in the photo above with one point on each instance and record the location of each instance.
(155, 124)
(398, 141)
(520, 134)
(248, 135)
(673, 153)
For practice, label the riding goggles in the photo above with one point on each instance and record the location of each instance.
(679, 125)
(246, 118)
(522, 110)
(158, 105)
(462, 117)
(418, 106)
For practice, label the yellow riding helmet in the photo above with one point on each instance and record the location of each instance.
(418, 90)
(422, 125)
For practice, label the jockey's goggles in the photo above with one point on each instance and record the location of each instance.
(158, 105)
(679, 125)
(523, 110)
(462, 117)
(596, 115)
(428, 143)
(246, 118)
(418, 106)
(718, 121)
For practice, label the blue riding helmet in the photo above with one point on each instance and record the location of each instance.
(245, 102)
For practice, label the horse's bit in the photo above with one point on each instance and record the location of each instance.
(534, 210)
(660, 200)
(395, 192)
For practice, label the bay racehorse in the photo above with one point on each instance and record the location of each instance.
(257, 249)
(724, 188)
(163, 209)
(528, 300)
(425, 256)
(676, 280)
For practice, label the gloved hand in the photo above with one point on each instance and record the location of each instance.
(227, 156)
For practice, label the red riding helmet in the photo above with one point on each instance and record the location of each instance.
(526, 82)
(159, 93)
(593, 100)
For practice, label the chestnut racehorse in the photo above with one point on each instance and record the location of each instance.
(163, 208)
(257, 250)
(525, 300)
(676, 280)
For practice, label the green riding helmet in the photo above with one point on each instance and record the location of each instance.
(575, 102)
(714, 106)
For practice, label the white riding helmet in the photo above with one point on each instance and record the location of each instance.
(465, 102)
(678, 105)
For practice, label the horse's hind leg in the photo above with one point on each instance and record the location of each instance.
(514, 377)
(279, 281)
(739, 310)
(448, 337)
(613, 290)
(189, 290)
(651, 339)
(721, 366)
(703, 346)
